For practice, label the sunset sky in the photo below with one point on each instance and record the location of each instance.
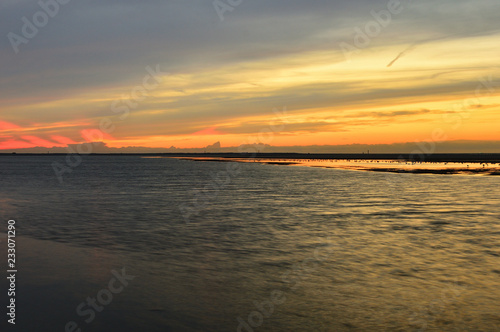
(188, 73)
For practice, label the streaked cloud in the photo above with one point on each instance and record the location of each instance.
(224, 78)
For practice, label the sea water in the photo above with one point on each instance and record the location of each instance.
(213, 246)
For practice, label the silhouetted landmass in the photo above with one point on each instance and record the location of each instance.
(438, 157)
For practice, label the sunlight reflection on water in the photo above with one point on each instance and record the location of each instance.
(420, 253)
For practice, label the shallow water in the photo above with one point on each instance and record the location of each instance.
(344, 250)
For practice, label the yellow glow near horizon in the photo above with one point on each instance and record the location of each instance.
(330, 102)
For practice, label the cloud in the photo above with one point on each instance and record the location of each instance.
(94, 43)
(4, 125)
(208, 131)
(400, 55)
(228, 76)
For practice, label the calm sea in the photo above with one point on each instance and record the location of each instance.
(219, 246)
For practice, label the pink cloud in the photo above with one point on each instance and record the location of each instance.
(4, 125)
(14, 144)
(62, 140)
(37, 141)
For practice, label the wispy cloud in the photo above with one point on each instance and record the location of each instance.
(402, 54)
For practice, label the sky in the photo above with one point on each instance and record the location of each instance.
(189, 73)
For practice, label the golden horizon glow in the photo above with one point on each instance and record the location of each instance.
(329, 101)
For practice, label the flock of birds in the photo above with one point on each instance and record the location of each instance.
(406, 162)
(371, 161)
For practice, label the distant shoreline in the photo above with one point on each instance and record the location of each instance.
(400, 166)
(451, 164)
(437, 157)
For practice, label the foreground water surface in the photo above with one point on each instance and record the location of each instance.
(213, 246)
